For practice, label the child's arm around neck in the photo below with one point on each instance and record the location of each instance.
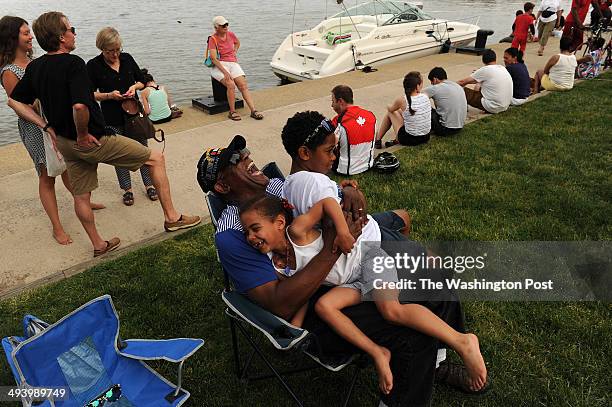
(302, 226)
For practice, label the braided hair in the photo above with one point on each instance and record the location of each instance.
(411, 81)
(269, 207)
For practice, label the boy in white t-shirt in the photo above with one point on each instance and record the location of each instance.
(308, 189)
(496, 88)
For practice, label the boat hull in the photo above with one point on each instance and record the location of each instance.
(305, 56)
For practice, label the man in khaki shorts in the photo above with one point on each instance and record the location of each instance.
(75, 122)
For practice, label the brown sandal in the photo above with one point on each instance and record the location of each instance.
(110, 246)
(256, 115)
(234, 116)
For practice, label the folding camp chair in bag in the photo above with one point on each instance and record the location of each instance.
(244, 314)
(83, 355)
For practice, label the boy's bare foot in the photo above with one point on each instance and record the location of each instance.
(96, 206)
(383, 368)
(469, 350)
(62, 237)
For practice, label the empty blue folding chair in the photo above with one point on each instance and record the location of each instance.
(243, 313)
(83, 354)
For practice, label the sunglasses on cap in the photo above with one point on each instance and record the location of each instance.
(110, 395)
(326, 127)
(235, 157)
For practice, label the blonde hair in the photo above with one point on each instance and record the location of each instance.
(106, 37)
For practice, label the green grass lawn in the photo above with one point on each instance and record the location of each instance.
(537, 172)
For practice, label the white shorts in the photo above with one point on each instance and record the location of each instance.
(233, 68)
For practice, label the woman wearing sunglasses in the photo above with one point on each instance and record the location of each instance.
(115, 77)
(223, 46)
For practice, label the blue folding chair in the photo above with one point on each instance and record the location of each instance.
(83, 354)
(243, 313)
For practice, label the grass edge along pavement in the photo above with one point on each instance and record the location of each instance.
(537, 172)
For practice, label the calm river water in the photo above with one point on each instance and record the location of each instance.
(168, 37)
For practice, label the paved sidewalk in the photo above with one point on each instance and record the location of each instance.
(30, 256)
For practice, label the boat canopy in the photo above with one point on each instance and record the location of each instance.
(387, 12)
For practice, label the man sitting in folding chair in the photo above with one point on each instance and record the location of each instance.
(232, 175)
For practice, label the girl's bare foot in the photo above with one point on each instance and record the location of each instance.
(469, 350)
(96, 206)
(383, 368)
(62, 237)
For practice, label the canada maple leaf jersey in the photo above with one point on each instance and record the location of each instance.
(356, 134)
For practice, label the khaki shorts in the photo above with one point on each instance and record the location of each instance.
(82, 164)
(548, 84)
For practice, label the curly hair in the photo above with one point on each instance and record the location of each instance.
(298, 128)
(9, 38)
(269, 207)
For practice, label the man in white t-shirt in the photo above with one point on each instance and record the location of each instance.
(548, 17)
(495, 83)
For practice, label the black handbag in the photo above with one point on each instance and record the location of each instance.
(137, 125)
(547, 13)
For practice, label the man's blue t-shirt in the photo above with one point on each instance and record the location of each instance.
(521, 81)
(246, 266)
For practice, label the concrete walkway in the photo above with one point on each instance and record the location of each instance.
(31, 257)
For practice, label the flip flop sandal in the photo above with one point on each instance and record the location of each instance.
(110, 246)
(256, 115)
(234, 116)
(128, 198)
(152, 194)
(391, 143)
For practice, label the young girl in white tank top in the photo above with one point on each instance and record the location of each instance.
(291, 243)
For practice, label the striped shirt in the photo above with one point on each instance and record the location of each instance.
(230, 217)
(418, 124)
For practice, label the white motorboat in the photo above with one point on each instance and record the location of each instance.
(368, 34)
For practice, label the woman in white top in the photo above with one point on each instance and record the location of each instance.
(558, 74)
(292, 243)
(410, 115)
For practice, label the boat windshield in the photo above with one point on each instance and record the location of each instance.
(387, 12)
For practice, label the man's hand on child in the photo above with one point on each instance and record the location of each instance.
(344, 242)
(354, 203)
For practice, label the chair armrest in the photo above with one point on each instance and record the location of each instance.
(279, 332)
(171, 350)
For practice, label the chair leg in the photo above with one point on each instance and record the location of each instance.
(235, 347)
(352, 386)
(244, 375)
(263, 357)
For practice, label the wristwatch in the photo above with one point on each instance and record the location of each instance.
(46, 127)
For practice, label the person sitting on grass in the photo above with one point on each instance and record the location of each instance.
(293, 243)
(409, 115)
(356, 133)
(590, 65)
(157, 102)
(558, 74)
(449, 116)
(513, 58)
(523, 24)
(493, 93)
